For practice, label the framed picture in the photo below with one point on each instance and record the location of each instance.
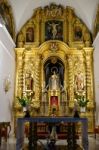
(53, 30)
(30, 35)
(54, 101)
(77, 33)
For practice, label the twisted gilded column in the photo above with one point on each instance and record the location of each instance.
(37, 82)
(70, 81)
(89, 73)
(19, 71)
(70, 20)
(26, 68)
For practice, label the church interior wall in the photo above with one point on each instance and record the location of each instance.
(96, 75)
(7, 75)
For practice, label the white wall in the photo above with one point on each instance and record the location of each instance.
(96, 76)
(23, 10)
(7, 71)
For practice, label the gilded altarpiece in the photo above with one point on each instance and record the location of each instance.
(54, 58)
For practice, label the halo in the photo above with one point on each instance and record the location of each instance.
(54, 69)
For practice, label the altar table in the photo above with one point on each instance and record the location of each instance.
(21, 121)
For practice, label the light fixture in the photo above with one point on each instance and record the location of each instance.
(7, 84)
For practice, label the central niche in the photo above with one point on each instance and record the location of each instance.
(54, 94)
(54, 66)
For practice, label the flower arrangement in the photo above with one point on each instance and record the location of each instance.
(82, 101)
(24, 101)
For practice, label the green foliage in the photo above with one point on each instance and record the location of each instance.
(24, 101)
(82, 101)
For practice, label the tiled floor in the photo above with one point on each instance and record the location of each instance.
(11, 143)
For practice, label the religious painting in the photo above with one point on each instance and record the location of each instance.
(77, 33)
(54, 30)
(30, 35)
(54, 101)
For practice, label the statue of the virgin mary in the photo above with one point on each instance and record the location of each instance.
(54, 83)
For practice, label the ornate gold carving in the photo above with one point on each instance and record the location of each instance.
(89, 76)
(71, 53)
(53, 60)
(79, 76)
(70, 78)
(64, 26)
(53, 11)
(53, 47)
(21, 40)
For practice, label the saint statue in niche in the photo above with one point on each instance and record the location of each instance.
(79, 81)
(54, 82)
(28, 81)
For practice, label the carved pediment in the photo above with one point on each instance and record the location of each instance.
(53, 10)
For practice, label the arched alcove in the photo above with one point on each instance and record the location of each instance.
(54, 64)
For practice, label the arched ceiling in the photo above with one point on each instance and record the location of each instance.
(84, 9)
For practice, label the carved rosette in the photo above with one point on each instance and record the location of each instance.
(54, 47)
